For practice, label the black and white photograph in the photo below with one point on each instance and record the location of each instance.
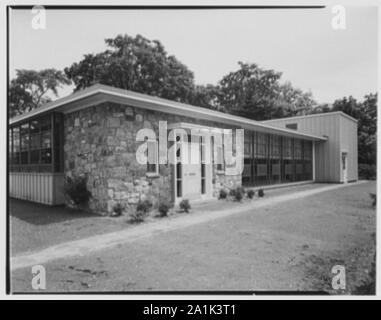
(184, 150)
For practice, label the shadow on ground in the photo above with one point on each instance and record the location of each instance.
(39, 214)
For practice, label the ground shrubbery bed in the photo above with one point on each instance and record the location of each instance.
(367, 171)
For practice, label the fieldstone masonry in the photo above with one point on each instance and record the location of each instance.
(100, 144)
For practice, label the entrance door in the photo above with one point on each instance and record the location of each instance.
(191, 172)
(193, 175)
(344, 159)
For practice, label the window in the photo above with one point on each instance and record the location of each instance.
(202, 161)
(31, 145)
(275, 146)
(292, 126)
(220, 155)
(247, 174)
(35, 142)
(16, 146)
(179, 184)
(287, 148)
(307, 151)
(298, 149)
(261, 146)
(24, 147)
(152, 157)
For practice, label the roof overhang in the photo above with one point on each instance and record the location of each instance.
(101, 93)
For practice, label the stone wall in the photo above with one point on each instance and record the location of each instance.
(100, 144)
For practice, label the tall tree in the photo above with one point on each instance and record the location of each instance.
(138, 64)
(30, 89)
(295, 100)
(207, 96)
(251, 91)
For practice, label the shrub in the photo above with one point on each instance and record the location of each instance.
(223, 194)
(164, 208)
(367, 171)
(144, 206)
(261, 193)
(185, 205)
(138, 216)
(76, 189)
(232, 192)
(251, 194)
(373, 196)
(239, 193)
(117, 210)
(241, 190)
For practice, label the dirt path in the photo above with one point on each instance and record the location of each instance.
(283, 246)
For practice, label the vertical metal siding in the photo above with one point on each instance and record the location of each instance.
(342, 134)
(43, 188)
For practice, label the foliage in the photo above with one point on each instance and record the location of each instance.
(223, 194)
(251, 193)
(232, 192)
(138, 64)
(185, 205)
(294, 101)
(137, 216)
(256, 93)
(367, 171)
(144, 206)
(261, 193)
(76, 189)
(30, 89)
(117, 210)
(164, 208)
(366, 114)
(208, 97)
(239, 193)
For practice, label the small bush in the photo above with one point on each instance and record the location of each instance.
(76, 189)
(238, 194)
(251, 194)
(164, 208)
(373, 196)
(138, 216)
(261, 193)
(367, 171)
(223, 194)
(185, 205)
(117, 210)
(232, 192)
(144, 206)
(241, 190)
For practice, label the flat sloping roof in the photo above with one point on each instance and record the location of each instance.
(323, 114)
(99, 93)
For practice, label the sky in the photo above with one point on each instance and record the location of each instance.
(300, 43)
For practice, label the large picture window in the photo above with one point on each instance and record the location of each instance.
(272, 159)
(307, 160)
(31, 145)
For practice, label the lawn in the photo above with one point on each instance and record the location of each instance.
(288, 246)
(36, 226)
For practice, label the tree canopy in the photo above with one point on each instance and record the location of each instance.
(138, 64)
(30, 89)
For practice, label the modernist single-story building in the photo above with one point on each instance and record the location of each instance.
(93, 133)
